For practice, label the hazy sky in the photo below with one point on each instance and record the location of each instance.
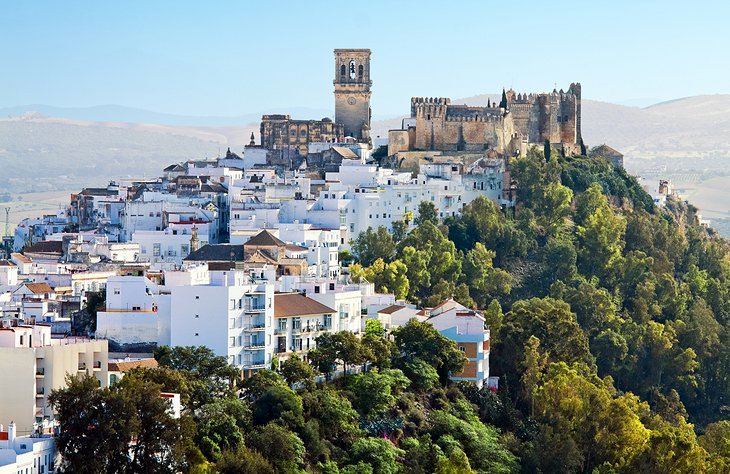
(231, 58)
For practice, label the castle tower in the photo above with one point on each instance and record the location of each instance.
(352, 92)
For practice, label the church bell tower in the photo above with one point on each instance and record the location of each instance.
(352, 92)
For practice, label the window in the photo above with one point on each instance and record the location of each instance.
(156, 249)
(282, 324)
(332, 286)
(231, 323)
(117, 291)
(232, 342)
(197, 334)
(343, 70)
(197, 297)
(197, 316)
(316, 289)
(296, 323)
(360, 71)
(233, 304)
(462, 348)
(136, 308)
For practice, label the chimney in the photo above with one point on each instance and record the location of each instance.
(11, 434)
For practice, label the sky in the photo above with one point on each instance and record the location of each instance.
(221, 58)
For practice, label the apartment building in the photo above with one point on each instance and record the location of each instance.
(34, 363)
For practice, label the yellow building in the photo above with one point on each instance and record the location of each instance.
(34, 363)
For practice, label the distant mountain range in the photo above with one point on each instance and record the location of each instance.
(118, 113)
(47, 148)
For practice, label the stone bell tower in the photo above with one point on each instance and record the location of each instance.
(352, 92)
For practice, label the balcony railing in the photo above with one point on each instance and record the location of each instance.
(97, 364)
(250, 308)
(254, 365)
(40, 371)
(82, 366)
(255, 327)
(255, 345)
(280, 331)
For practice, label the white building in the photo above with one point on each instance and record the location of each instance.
(467, 328)
(20, 454)
(231, 316)
(137, 314)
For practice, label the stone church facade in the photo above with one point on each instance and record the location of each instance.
(352, 111)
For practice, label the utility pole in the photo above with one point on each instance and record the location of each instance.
(7, 222)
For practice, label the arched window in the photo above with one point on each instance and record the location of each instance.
(360, 71)
(343, 70)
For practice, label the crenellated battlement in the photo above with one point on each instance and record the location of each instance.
(532, 118)
(430, 100)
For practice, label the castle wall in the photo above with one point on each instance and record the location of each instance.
(398, 140)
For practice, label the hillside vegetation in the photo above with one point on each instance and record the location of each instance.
(608, 319)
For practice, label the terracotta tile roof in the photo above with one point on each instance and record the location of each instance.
(21, 257)
(125, 365)
(391, 309)
(265, 239)
(345, 152)
(6, 263)
(296, 304)
(45, 246)
(604, 150)
(295, 248)
(222, 266)
(217, 253)
(39, 288)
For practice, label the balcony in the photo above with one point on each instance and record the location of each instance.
(40, 371)
(254, 327)
(280, 331)
(82, 366)
(254, 308)
(254, 345)
(40, 391)
(254, 365)
(97, 365)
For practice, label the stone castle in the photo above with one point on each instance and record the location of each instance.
(516, 122)
(435, 124)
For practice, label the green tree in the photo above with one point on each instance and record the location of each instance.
(485, 281)
(281, 447)
(427, 213)
(379, 453)
(296, 371)
(94, 421)
(158, 446)
(600, 238)
(420, 340)
(243, 461)
(372, 245)
(387, 277)
(281, 404)
(533, 365)
(200, 363)
(376, 391)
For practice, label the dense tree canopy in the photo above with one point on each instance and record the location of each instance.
(608, 320)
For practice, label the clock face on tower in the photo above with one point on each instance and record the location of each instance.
(351, 100)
